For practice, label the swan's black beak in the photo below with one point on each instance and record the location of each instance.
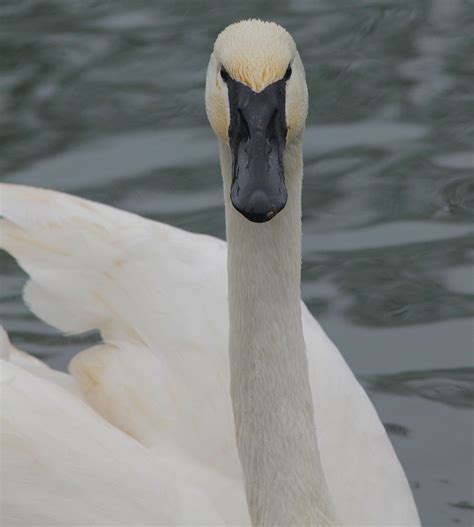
(257, 137)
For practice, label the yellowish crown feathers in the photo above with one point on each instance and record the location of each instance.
(254, 52)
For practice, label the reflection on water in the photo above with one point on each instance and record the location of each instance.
(454, 387)
(463, 505)
(396, 429)
(105, 100)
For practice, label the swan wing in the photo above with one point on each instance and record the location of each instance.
(157, 295)
(153, 291)
(64, 463)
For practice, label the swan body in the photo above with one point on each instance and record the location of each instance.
(159, 383)
(158, 296)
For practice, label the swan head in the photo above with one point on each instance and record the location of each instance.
(256, 103)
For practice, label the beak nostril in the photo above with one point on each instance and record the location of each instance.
(244, 127)
(271, 123)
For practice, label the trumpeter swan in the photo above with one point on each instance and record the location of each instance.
(312, 450)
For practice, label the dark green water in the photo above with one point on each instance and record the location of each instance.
(105, 100)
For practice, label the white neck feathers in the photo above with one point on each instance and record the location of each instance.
(270, 390)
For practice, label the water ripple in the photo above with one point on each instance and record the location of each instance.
(453, 387)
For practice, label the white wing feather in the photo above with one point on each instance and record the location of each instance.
(65, 465)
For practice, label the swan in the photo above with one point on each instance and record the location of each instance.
(215, 397)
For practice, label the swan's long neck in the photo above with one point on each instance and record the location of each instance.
(271, 394)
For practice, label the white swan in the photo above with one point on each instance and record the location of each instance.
(159, 297)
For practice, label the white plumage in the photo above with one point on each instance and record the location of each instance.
(158, 296)
(159, 449)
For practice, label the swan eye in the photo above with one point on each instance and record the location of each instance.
(288, 72)
(224, 74)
